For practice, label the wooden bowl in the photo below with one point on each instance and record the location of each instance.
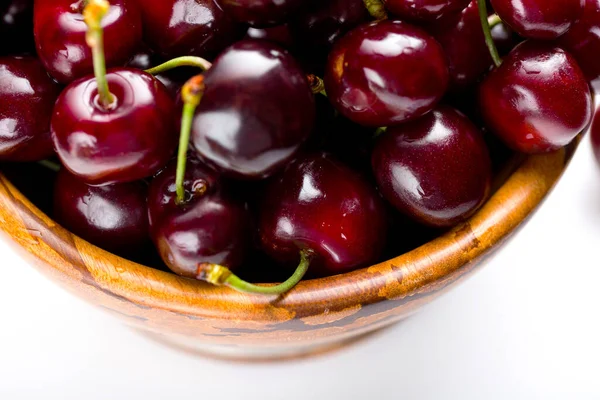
(317, 314)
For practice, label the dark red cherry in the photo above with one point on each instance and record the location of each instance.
(424, 10)
(279, 34)
(16, 27)
(130, 141)
(326, 21)
(257, 131)
(27, 96)
(261, 13)
(176, 28)
(113, 217)
(210, 227)
(462, 38)
(539, 19)
(505, 38)
(538, 100)
(596, 135)
(437, 169)
(321, 205)
(583, 40)
(385, 73)
(60, 32)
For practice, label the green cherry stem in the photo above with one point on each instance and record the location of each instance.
(376, 9)
(494, 20)
(51, 165)
(316, 84)
(93, 13)
(487, 32)
(191, 94)
(185, 61)
(222, 276)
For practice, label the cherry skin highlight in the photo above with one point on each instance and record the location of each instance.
(259, 130)
(113, 217)
(27, 96)
(436, 170)
(129, 141)
(539, 19)
(321, 205)
(424, 10)
(583, 42)
(176, 28)
(385, 73)
(60, 32)
(210, 227)
(538, 100)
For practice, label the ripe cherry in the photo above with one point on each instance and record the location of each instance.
(437, 169)
(182, 27)
(113, 217)
(424, 10)
(539, 19)
(256, 132)
(118, 127)
(583, 40)
(27, 96)
(538, 100)
(320, 206)
(385, 73)
(16, 27)
(261, 13)
(280, 34)
(60, 34)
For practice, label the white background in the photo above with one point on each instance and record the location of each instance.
(527, 326)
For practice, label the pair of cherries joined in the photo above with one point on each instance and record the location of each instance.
(250, 172)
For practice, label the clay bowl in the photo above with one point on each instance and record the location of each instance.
(317, 314)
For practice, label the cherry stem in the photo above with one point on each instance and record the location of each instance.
(222, 276)
(191, 94)
(186, 61)
(494, 20)
(93, 13)
(51, 165)
(316, 84)
(376, 8)
(487, 32)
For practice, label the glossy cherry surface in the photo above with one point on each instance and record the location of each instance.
(462, 38)
(130, 141)
(27, 96)
(320, 204)
(113, 217)
(539, 19)
(583, 40)
(261, 13)
(437, 169)
(424, 10)
(16, 27)
(209, 227)
(280, 34)
(538, 100)
(60, 36)
(188, 27)
(256, 132)
(387, 72)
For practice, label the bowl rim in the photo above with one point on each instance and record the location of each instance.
(429, 268)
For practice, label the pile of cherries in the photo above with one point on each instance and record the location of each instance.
(262, 138)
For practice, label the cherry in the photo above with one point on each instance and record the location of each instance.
(596, 135)
(60, 34)
(538, 100)
(280, 34)
(539, 19)
(424, 10)
(116, 127)
(27, 96)
(321, 206)
(16, 27)
(209, 226)
(113, 217)
(385, 73)
(261, 13)
(188, 27)
(437, 169)
(463, 41)
(583, 41)
(256, 132)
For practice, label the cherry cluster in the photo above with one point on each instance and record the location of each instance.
(252, 137)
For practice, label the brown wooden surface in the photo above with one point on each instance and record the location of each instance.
(315, 312)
